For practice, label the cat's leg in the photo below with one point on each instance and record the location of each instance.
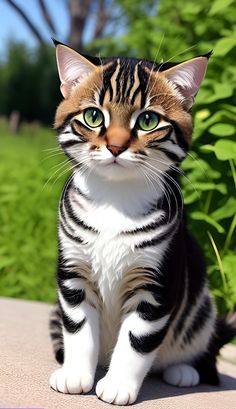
(80, 337)
(181, 375)
(132, 358)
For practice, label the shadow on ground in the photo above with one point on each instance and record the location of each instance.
(154, 388)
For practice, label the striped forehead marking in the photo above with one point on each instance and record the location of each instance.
(124, 82)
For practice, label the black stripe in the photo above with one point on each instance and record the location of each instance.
(125, 82)
(179, 136)
(147, 228)
(202, 314)
(136, 92)
(156, 240)
(155, 143)
(82, 137)
(66, 121)
(143, 78)
(54, 323)
(147, 343)
(107, 74)
(73, 297)
(172, 156)
(55, 335)
(69, 144)
(69, 235)
(150, 312)
(126, 97)
(60, 356)
(71, 214)
(118, 82)
(69, 185)
(64, 216)
(71, 326)
(64, 272)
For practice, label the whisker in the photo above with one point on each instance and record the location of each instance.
(165, 192)
(170, 59)
(154, 61)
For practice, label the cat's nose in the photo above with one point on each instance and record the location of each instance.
(116, 149)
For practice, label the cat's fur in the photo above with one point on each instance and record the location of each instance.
(131, 280)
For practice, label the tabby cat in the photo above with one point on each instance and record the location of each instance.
(132, 291)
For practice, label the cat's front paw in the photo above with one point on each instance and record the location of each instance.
(71, 381)
(116, 391)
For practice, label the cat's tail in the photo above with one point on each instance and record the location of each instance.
(225, 330)
(55, 328)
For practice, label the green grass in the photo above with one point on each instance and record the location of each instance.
(28, 214)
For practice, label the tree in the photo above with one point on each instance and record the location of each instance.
(80, 15)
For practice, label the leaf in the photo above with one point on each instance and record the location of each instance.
(219, 5)
(228, 210)
(207, 148)
(225, 149)
(224, 45)
(193, 197)
(222, 129)
(229, 264)
(203, 114)
(221, 91)
(208, 219)
(205, 186)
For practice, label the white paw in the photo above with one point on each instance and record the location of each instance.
(71, 382)
(181, 375)
(118, 392)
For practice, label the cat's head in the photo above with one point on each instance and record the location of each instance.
(126, 118)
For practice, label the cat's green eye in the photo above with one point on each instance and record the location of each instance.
(93, 117)
(147, 121)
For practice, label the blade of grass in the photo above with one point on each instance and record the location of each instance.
(230, 234)
(232, 166)
(220, 264)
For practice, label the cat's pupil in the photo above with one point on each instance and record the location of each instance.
(147, 119)
(94, 115)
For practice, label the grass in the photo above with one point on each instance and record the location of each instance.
(29, 195)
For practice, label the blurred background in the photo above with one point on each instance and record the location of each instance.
(32, 172)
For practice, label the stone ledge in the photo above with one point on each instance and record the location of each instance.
(27, 362)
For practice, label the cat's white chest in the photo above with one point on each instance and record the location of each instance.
(110, 254)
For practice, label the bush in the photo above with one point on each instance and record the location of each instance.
(29, 195)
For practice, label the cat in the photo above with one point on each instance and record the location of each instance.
(132, 290)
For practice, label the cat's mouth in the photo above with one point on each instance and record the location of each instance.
(115, 161)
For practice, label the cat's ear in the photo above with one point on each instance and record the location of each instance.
(73, 68)
(188, 76)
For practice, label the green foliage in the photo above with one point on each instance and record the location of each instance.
(29, 83)
(175, 32)
(28, 217)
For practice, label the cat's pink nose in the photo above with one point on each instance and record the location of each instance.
(116, 149)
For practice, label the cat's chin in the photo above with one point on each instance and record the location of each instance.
(115, 171)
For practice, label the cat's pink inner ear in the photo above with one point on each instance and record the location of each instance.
(188, 75)
(73, 68)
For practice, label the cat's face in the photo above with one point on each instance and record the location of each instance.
(125, 118)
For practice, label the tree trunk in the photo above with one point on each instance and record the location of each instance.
(79, 11)
(14, 122)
